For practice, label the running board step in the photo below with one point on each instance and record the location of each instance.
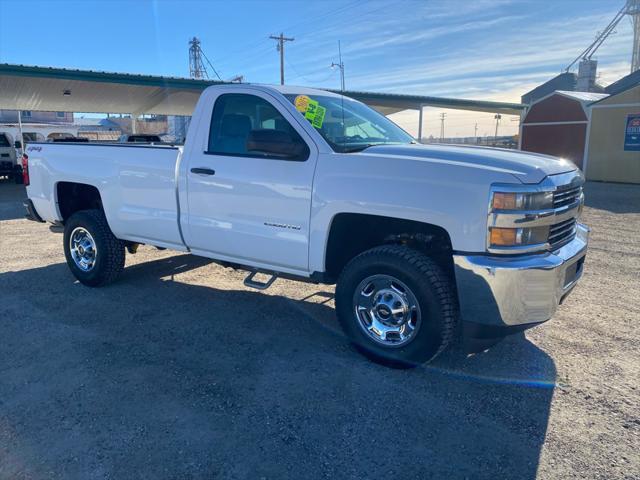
(251, 283)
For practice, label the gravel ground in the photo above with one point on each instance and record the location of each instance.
(178, 371)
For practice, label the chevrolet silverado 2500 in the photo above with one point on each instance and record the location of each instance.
(425, 244)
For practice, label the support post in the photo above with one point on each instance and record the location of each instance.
(20, 130)
(420, 123)
(133, 123)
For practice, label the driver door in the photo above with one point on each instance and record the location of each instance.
(248, 206)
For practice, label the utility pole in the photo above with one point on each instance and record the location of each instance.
(442, 117)
(340, 66)
(281, 39)
(497, 116)
(633, 9)
(475, 133)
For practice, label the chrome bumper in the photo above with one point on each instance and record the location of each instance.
(512, 291)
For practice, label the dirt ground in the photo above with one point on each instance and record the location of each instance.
(179, 371)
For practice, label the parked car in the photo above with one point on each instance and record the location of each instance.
(9, 166)
(140, 138)
(426, 244)
(70, 140)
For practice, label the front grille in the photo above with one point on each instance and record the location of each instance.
(566, 196)
(562, 233)
(5, 155)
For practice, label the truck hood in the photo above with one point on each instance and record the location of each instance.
(527, 167)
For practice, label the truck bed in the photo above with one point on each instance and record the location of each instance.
(137, 184)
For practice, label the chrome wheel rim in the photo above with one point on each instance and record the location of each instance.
(387, 310)
(83, 249)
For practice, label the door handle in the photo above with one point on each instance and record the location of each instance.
(203, 171)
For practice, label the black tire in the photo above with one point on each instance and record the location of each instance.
(110, 256)
(428, 284)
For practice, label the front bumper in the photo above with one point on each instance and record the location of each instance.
(512, 293)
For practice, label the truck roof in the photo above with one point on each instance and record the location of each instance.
(287, 89)
(292, 89)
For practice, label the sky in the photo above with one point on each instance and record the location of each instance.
(477, 49)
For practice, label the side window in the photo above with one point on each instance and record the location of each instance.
(244, 125)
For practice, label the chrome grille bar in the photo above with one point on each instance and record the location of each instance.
(566, 197)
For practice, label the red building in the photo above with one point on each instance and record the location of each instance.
(557, 124)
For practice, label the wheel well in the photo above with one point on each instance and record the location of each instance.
(352, 234)
(73, 197)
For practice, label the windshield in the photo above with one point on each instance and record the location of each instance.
(351, 129)
(4, 142)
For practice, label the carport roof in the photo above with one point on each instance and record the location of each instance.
(59, 89)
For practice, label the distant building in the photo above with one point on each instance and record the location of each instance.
(152, 124)
(28, 116)
(557, 124)
(567, 82)
(98, 129)
(613, 145)
(177, 127)
(599, 132)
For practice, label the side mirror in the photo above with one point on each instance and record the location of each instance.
(18, 144)
(276, 143)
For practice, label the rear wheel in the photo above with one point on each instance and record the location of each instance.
(396, 305)
(94, 255)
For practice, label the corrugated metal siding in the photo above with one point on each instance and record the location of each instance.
(566, 141)
(556, 108)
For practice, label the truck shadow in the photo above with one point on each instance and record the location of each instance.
(151, 377)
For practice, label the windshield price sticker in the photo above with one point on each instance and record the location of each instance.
(319, 118)
(311, 109)
(302, 102)
(315, 113)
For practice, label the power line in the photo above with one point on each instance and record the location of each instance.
(294, 27)
(281, 39)
(297, 28)
(305, 77)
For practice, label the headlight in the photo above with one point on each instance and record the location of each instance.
(514, 237)
(521, 200)
(518, 204)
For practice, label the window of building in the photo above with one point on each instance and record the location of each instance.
(25, 114)
(61, 114)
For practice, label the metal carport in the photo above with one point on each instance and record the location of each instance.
(59, 89)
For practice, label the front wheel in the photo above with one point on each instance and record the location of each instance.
(94, 255)
(396, 305)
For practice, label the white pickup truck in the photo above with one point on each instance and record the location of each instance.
(426, 244)
(8, 166)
